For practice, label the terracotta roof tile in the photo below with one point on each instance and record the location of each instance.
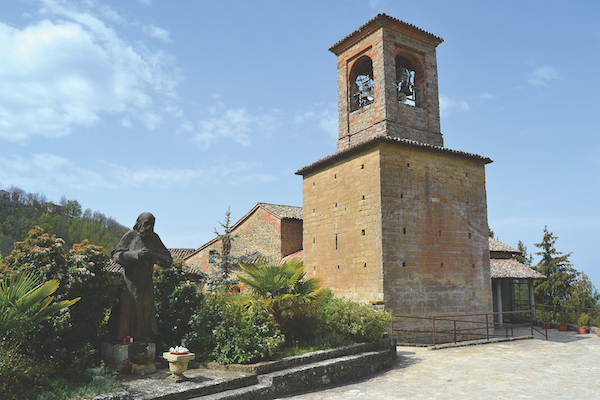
(253, 257)
(384, 138)
(377, 19)
(181, 253)
(282, 211)
(496, 245)
(116, 268)
(509, 268)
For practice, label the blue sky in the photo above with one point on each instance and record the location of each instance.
(186, 108)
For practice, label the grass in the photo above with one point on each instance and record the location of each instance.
(61, 389)
(297, 350)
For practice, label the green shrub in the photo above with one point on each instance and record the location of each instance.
(245, 336)
(225, 331)
(175, 299)
(22, 377)
(341, 320)
(203, 323)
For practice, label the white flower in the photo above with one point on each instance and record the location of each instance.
(178, 349)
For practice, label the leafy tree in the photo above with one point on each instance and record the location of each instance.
(556, 266)
(23, 211)
(39, 253)
(583, 294)
(282, 289)
(223, 264)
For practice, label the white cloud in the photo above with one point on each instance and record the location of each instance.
(326, 118)
(158, 33)
(233, 123)
(483, 96)
(543, 75)
(69, 69)
(46, 172)
(145, 2)
(448, 105)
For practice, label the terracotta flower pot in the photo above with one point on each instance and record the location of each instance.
(563, 327)
(546, 325)
(582, 329)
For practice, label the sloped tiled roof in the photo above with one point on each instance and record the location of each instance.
(116, 268)
(299, 254)
(252, 257)
(283, 212)
(181, 253)
(509, 268)
(496, 245)
(380, 19)
(384, 138)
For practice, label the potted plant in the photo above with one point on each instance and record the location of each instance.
(583, 322)
(563, 321)
(544, 317)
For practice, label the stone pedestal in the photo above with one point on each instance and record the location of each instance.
(178, 364)
(121, 356)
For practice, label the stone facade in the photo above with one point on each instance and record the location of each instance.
(272, 231)
(382, 40)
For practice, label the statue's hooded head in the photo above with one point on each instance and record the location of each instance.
(144, 224)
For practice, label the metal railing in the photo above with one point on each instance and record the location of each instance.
(462, 327)
(572, 312)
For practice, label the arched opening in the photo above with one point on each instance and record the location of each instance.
(361, 85)
(407, 81)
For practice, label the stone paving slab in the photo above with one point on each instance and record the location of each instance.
(564, 367)
(201, 381)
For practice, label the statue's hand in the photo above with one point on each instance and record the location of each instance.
(145, 254)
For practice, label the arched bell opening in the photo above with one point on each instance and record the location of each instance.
(408, 82)
(361, 84)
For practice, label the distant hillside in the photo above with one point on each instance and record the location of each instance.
(21, 211)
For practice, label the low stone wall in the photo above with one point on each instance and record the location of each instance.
(308, 358)
(325, 373)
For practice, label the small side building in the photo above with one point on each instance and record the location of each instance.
(512, 281)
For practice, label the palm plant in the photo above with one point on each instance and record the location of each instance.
(281, 289)
(25, 302)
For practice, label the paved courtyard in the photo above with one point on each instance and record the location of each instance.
(567, 366)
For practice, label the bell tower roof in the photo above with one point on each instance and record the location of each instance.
(375, 23)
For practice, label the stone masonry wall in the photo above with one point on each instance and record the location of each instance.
(342, 227)
(261, 232)
(435, 233)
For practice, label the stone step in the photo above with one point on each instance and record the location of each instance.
(308, 377)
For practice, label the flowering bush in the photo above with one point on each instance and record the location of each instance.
(72, 337)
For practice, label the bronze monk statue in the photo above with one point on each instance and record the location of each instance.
(134, 314)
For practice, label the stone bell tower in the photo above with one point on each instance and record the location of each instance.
(388, 83)
(393, 217)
